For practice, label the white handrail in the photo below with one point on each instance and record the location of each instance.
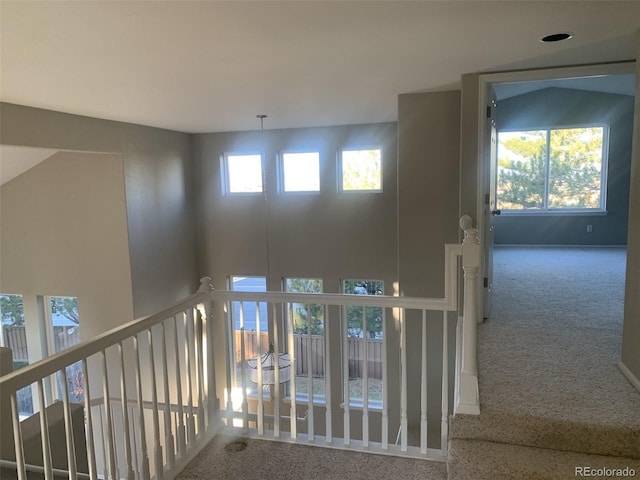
(50, 365)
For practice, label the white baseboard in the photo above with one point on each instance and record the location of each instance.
(541, 245)
(630, 376)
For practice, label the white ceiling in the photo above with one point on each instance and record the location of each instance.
(212, 66)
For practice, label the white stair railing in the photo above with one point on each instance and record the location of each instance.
(116, 433)
(151, 400)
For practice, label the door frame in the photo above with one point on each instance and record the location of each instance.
(485, 81)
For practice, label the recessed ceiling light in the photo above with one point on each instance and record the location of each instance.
(556, 37)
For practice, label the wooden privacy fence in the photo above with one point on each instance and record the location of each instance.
(15, 337)
(301, 344)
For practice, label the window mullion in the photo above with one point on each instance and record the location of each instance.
(547, 170)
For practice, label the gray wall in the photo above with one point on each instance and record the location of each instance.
(159, 199)
(428, 197)
(561, 107)
(631, 328)
(397, 236)
(326, 235)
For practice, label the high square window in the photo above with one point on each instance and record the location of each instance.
(300, 172)
(242, 173)
(552, 170)
(361, 170)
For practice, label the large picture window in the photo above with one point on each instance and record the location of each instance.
(545, 170)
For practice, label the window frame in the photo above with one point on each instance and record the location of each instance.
(282, 173)
(301, 398)
(550, 211)
(235, 349)
(358, 403)
(226, 173)
(340, 172)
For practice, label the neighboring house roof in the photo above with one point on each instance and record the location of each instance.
(57, 320)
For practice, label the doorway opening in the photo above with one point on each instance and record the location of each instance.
(534, 176)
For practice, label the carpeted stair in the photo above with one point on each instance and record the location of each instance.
(485, 460)
(497, 446)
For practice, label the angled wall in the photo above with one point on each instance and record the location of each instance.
(64, 233)
(157, 182)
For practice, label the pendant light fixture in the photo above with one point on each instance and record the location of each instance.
(268, 360)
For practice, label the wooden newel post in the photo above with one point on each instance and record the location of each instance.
(468, 400)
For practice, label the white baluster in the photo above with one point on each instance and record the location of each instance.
(293, 369)
(276, 372)
(385, 387)
(310, 413)
(125, 414)
(44, 429)
(365, 381)
(68, 425)
(157, 451)
(403, 387)
(327, 377)
(345, 382)
(91, 451)
(188, 355)
(231, 359)
(168, 431)
(259, 366)
(243, 372)
(444, 428)
(133, 434)
(423, 387)
(182, 442)
(105, 458)
(113, 470)
(17, 438)
(199, 353)
(145, 473)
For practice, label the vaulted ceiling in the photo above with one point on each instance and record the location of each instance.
(212, 66)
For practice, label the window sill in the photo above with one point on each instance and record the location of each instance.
(321, 402)
(359, 406)
(554, 213)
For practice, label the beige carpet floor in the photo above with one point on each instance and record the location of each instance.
(267, 460)
(551, 346)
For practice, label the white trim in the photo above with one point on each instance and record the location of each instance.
(554, 245)
(635, 381)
